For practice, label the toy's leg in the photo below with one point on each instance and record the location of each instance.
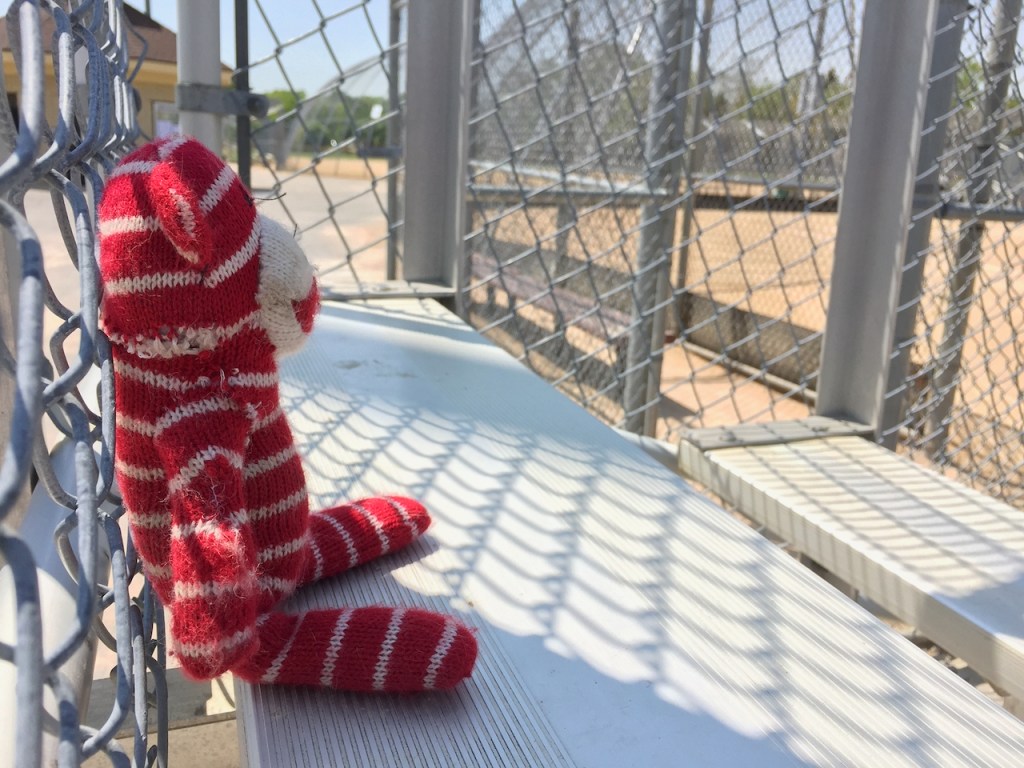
(361, 649)
(343, 537)
(213, 553)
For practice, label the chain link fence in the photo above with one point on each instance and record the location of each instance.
(652, 204)
(963, 397)
(328, 153)
(651, 210)
(569, 181)
(638, 168)
(68, 573)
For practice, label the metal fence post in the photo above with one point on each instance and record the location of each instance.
(999, 69)
(394, 135)
(694, 164)
(199, 64)
(812, 91)
(436, 141)
(243, 122)
(663, 151)
(875, 208)
(949, 28)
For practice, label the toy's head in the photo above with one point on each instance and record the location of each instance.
(187, 262)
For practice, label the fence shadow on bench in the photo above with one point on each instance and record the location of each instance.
(646, 597)
(944, 558)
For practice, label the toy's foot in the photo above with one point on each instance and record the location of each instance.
(362, 649)
(343, 537)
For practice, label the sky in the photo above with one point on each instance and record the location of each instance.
(356, 30)
(308, 64)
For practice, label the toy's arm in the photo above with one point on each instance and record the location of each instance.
(201, 443)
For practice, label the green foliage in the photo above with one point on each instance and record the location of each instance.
(337, 119)
(779, 102)
(773, 102)
(283, 102)
(973, 84)
(332, 119)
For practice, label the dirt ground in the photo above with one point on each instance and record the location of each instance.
(776, 265)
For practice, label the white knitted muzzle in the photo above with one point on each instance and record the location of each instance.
(285, 276)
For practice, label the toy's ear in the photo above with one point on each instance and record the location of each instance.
(177, 209)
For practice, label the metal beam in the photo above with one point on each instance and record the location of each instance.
(676, 20)
(436, 140)
(199, 64)
(949, 29)
(999, 65)
(876, 205)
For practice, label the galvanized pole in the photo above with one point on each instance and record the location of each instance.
(676, 20)
(811, 91)
(999, 68)
(199, 64)
(440, 34)
(243, 122)
(476, 54)
(394, 131)
(694, 162)
(21, 682)
(875, 207)
(949, 29)
(565, 218)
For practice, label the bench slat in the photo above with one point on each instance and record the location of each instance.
(944, 558)
(623, 618)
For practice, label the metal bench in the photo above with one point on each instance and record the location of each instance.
(944, 558)
(623, 618)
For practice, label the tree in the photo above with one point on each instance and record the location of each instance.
(284, 101)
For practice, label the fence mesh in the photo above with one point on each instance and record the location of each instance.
(69, 575)
(634, 164)
(579, 153)
(328, 154)
(652, 203)
(638, 172)
(963, 401)
(653, 198)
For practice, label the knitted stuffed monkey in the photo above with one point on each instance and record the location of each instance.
(200, 295)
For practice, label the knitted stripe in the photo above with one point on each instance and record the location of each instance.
(165, 279)
(213, 553)
(218, 190)
(199, 297)
(142, 484)
(148, 303)
(371, 649)
(279, 508)
(176, 184)
(126, 224)
(286, 505)
(334, 647)
(164, 374)
(147, 388)
(351, 534)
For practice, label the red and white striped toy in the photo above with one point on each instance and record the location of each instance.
(200, 294)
